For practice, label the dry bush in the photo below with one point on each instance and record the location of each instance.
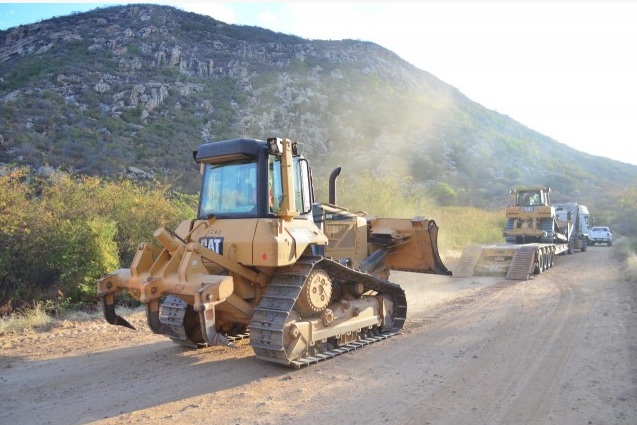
(25, 319)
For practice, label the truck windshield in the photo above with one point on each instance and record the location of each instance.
(229, 189)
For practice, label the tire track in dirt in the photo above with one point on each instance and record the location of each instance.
(524, 369)
(499, 333)
(544, 356)
(559, 349)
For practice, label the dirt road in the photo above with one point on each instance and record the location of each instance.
(558, 349)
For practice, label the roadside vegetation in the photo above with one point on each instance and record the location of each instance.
(61, 233)
(27, 318)
(628, 252)
(395, 197)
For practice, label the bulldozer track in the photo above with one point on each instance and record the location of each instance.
(509, 227)
(172, 314)
(547, 227)
(268, 322)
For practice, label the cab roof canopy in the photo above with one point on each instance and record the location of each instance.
(228, 150)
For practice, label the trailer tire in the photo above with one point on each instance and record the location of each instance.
(539, 265)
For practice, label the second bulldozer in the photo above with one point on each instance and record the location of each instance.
(532, 218)
(536, 232)
(304, 281)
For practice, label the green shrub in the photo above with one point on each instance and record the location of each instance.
(444, 194)
(58, 236)
(84, 251)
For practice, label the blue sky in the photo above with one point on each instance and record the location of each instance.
(14, 14)
(566, 69)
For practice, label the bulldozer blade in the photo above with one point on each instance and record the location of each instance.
(112, 318)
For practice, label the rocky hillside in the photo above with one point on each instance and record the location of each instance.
(135, 89)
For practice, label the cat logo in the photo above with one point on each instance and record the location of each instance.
(213, 243)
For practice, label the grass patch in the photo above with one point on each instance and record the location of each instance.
(625, 249)
(630, 258)
(40, 318)
(25, 319)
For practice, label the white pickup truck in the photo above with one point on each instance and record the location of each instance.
(601, 235)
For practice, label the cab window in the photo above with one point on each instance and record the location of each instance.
(302, 196)
(229, 189)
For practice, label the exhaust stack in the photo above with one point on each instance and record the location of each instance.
(332, 185)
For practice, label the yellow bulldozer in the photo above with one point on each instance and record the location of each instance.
(303, 281)
(532, 218)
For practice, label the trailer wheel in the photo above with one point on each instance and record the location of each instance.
(546, 258)
(539, 264)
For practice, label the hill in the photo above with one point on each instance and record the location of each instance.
(133, 90)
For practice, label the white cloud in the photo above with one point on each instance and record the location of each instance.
(268, 19)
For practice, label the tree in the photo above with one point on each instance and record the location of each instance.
(444, 194)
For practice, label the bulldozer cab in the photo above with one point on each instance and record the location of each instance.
(531, 197)
(246, 178)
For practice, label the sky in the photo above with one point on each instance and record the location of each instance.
(567, 70)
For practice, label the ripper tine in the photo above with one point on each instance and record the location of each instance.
(119, 320)
(112, 318)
